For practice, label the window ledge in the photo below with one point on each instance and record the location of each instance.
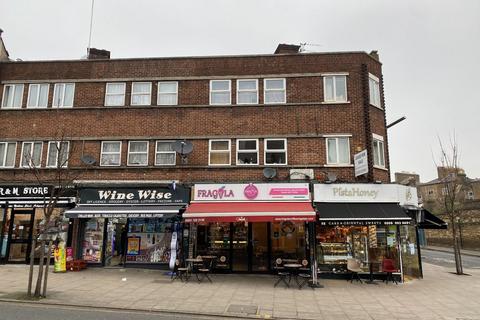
(372, 105)
(339, 165)
(380, 168)
(335, 102)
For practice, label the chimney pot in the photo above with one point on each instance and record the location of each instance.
(94, 54)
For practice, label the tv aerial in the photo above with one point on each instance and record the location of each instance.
(269, 173)
(183, 148)
(88, 160)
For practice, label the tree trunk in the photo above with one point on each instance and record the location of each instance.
(40, 270)
(456, 249)
(30, 273)
(47, 265)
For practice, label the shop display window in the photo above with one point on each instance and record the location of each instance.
(410, 261)
(288, 241)
(214, 239)
(93, 240)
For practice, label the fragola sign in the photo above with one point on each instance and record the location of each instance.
(218, 193)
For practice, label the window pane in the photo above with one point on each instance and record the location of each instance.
(247, 85)
(57, 98)
(8, 96)
(37, 153)
(274, 84)
(111, 147)
(247, 97)
(381, 154)
(247, 158)
(43, 98)
(167, 99)
(110, 160)
(274, 96)
(275, 158)
(220, 158)
(164, 146)
(68, 99)
(10, 160)
(221, 97)
(343, 151)
(247, 145)
(113, 88)
(17, 100)
(26, 154)
(220, 145)
(340, 88)
(275, 144)
(63, 156)
(141, 99)
(138, 146)
(32, 97)
(332, 150)
(2, 154)
(165, 158)
(329, 89)
(138, 159)
(167, 87)
(140, 87)
(220, 85)
(376, 152)
(52, 155)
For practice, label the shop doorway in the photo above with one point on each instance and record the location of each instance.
(20, 234)
(116, 242)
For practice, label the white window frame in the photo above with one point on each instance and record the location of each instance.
(265, 151)
(128, 154)
(379, 139)
(376, 90)
(62, 104)
(256, 150)
(221, 91)
(21, 155)
(165, 152)
(115, 94)
(15, 88)
(160, 93)
(222, 151)
(107, 153)
(339, 164)
(65, 165)
(247, 90)
(284, 90)
(6, 143)
(334, 75)
(36, 106)
(141, 93)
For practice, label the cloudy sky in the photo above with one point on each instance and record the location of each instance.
(430, 50)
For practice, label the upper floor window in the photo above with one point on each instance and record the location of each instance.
(164, 153)
(63, 95)
(220, 92)
(219, 152)
(247, 151)
(378, 151)
(167, 93)
(111, 153)
(374, 89)
(57, 156)
(338, 150)
(137, 153)
(247, 91)
(141, 93)
(38, 95)
(274, 91)
(275, 151)
(8, 152)
(31, 154)
(335, 88)
(469, 196)
(115, 94)
(12, 96)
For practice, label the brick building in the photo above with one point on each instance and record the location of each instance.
(301, 116)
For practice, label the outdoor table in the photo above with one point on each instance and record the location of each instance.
(191, 263)
(370, 267)
(294, 271)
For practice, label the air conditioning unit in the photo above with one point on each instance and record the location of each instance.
(302, 174)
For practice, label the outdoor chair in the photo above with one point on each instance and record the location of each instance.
(204, 271)
(281, 273)
(353, 265)
(304, 274)
(179, 272)
(388, 267)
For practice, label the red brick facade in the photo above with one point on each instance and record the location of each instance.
(304, 119)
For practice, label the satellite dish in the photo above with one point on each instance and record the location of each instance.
(269, 173)
(183, 147)
(331, 177)
(88, 159)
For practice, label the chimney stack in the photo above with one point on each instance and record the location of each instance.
(97, 54)
(287, 48)
(4, 56)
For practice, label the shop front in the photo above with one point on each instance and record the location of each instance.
(128, 225)
(246, 227)
(22, 212)
(369, 223)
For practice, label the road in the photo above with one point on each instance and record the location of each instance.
(24, 311)
(446, 259)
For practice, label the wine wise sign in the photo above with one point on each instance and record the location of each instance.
(131, 196)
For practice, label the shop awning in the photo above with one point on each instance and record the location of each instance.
(361, 214)
(249, 212)
(430, 221)
(122, 211)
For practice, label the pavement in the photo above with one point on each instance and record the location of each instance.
(440, 295)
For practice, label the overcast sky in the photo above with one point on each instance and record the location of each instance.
(430, 50)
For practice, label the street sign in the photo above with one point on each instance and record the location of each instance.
(361, 163)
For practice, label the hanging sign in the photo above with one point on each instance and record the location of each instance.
(361, 163)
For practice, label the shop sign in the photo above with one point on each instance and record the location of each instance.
(15, 192)
(358, 192)
(132, 196)
(361, 163)
(252, 192)
(119, 215)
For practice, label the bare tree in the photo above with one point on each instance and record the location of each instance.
(452, 199)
